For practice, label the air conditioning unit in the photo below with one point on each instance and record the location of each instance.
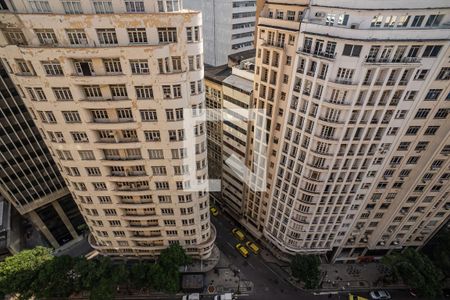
(354, 26)
(48, 41)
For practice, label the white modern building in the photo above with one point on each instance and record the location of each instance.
(116, 89)
(359, 132)
(228, 27)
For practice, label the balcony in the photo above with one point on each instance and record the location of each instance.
(388, 61)
(318, 54)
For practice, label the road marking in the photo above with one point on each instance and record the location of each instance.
(230, 245)
(252, 266)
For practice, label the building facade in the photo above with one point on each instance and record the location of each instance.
(359, 135)
(228, 27)
(228, 97)
(116, 89)
(29, 178)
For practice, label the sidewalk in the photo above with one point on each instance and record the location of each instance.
(205, 265)
(226, 278)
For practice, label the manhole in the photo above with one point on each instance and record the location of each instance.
(211, 289)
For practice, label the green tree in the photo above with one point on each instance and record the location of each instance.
(417, 271)
(440, 254)
(306, 269)
(55, 278)
(139, 275)
(18, 272)
(174, 256)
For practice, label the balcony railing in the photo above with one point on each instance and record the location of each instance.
(403, 60)
(321, 54)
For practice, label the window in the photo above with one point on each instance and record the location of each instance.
(441, 113)
(434, 20)
(92, 91)
(444, 74)
(36, 94)
(139, 66)
(62, 93)
(137, 35)
(414, 51)
(118, 91)
(93, 171)
(112, 65)
(149, 115)
(413, 160)
(352, 50)
(46, 36)
(421, 146)
(421, 74)
(86, 154)
(422, 113)
(72, 7)
(431, 130)
(71, 117)
(433, 94)
(52, 68)
(134, 6)
(76, 36)
(403, 146)
(376, 21)
(412, 130)
(107, 36)
(159, 170)
(144, 92)
(174, 114)
(176, 135)
(193, 34)
(79, 137)
(15, 36)
(410, 95)
(432, 51)
(172, 5)
(103, 7)
(152, 135)
(155, 154)
(167, 34)
(417, 21)
(40, 6)
(179, 153)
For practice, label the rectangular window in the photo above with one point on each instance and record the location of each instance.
(421, 74)
(352, 50)
(86, 154)
(432, 51)
(62, 93)
(144, 92)
(155, 154)
(118, 91)
(137, 35)
(417, 21)
(434, 20)
(152, 135)
(444, 74)
(15, 36)
(71, 116)
(433, 94)
(46, 36)
(72, 7)
(139, 66)
(92, 91)
(167, 34)
(52, 68)
(77, 36)
(107, 36)
(135, 6)
(149, 115)
(103, 7)
(112, 65)
(79, 137)
(40, 6)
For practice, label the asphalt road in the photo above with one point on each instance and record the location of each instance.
(268, 283)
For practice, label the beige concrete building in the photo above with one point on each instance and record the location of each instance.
(116, 89)
(228, 96)
(357, 99)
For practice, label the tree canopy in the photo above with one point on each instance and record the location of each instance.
(416, 270)
(38, 273)
(306, 269)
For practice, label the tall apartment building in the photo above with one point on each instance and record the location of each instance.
(116, 88)
(228, 27)
(358, 130)
(29, 178)
(228, 98)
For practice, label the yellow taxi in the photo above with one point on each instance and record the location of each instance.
(253, 247)
(214, 211)
(238, 234)
(242, 250)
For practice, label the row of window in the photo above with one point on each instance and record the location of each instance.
(106, 36)
(102, 6)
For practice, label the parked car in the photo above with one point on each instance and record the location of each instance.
(242, 250)
(380, 295)
(195, 296)
(355, 297)
(253, 247)
(238, 234)
(214, 211)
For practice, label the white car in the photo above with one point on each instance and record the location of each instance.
(195, 296)
(380, 295)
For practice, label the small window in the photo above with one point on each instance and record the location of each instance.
(352, 50)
